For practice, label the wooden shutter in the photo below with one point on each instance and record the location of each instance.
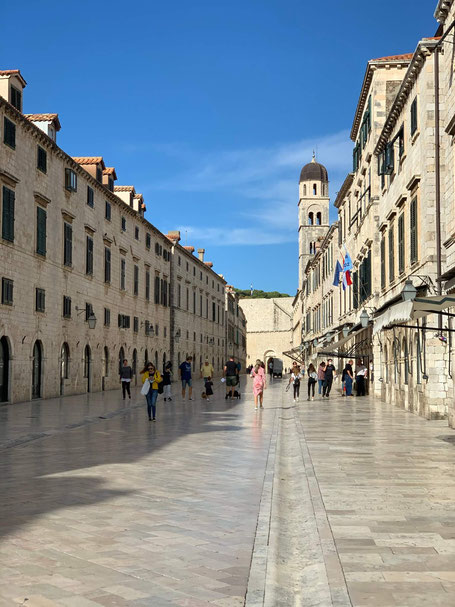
(391, 255)
(414, 116)
(89, 255)
(68, 244)
(355, 290)
(401, 244)
(8, 214)
(107, 264)
(41, 220)
(413, 230)
(383, 263)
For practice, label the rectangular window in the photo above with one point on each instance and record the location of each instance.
(107, 210)
(9, 133)
(157, 289)
(41, 221)
(147, 285)
(99, 175)
(355, 289)
(67, 244)
(123, 224)
(122, 274)
(179, 295)
(90, 197)
(148, 241)
(194, 302)
(213, 311)
(179, 260)
(401, 259)
(66, 307)
(157, 330)
(89, 255)
(110, 184)
(107, 317)
(136, 233)
(413, 230)
(383, 262)
(136, 281)
(8, 214)
(107, 264)
(88, 311)
(414, 116)
(391, 255)
(40, 300)
(7, 292)
(16, 98)
(136, 324)
(41, 160)
(70, 180)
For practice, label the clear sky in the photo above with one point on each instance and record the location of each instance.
(211, 107)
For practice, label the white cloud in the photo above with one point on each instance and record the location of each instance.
(263, 183)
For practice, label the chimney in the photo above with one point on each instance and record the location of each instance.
(174, 236)
(109, 178)
(200, 253)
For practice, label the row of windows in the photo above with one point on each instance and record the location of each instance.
(388, 245)
(364, 132)
(215, 314)
(201, 276)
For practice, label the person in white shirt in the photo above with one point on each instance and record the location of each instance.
(295, 379)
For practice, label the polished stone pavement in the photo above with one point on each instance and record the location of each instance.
(334, 502)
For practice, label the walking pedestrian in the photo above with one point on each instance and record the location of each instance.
(167, 380)
(360, 376)
(185, 376)
(231, 373)
(259, 383)
(330, 374)
(126, 375)
(208, 387)
(150, 374)
(321, 377)
(206, 370)
(295, 378)
(348, 377)
(270, 368)
(312, 379)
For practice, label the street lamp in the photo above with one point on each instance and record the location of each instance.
(409, 291)
(345, 331)
(91, 318)
(315, 342)
(364, 319)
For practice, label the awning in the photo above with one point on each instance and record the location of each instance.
(351, 352)
(411, 310)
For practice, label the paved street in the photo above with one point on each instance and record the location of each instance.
(324, 503)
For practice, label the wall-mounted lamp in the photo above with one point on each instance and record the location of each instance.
(91, 318)
(364, 319)
(409, 291)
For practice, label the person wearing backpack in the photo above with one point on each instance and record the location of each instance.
(312, 380)
(153, 377)
(295, 378)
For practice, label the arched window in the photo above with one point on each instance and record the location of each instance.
(315, 189)
(386, 364)
(105, 362)
(304, 190)
(37, 369)
(404, 354)
(164, 360)
(156, 359)
(418, 353)
(134, 368)
(318, 218)
(64, 361)
(310, 219)
(146, 356)
(87, 357)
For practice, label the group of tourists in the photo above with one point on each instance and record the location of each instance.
(324, 377)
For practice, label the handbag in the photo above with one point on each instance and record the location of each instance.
(145, 387)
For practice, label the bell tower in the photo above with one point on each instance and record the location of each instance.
(313, 211)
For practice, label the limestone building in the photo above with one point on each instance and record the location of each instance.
(86, 280)
(269, 328)
(395, 213)
(236, 327)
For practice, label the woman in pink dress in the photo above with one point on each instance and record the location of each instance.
(259, 385)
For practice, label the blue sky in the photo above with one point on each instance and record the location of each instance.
(210, 108)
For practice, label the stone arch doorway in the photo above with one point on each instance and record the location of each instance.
(88, 367)
(37, 369)
(5, 357)
(64, 366)
(268, 357)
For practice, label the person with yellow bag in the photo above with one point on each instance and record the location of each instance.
(151, 378)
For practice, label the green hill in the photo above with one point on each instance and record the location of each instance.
(258, 294)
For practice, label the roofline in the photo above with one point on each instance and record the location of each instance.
(366, 87)
(442, 10)
(343, 190)
(77, 167)
(16, 73)
(196, 259)
(407, 83)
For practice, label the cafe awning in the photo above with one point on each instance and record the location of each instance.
(412, 310)
(356, 350)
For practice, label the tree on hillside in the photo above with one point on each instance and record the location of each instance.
(258, 294)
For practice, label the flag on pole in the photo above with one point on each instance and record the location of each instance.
(347, 281)
(347, 263)
(251, 290)
(336, 278)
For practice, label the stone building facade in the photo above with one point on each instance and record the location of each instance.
(388, 224)
(86, 280)
(269, 328)
(236, 327)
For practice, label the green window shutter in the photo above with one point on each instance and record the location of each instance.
(8, 214)
(41, 221)
(68, 244)
(414, 116)
(107, 264)
(383, 263)
(355, 290)
(9, 133)
(89, 255)
(401, 244)
(413, 230)
(391, 255)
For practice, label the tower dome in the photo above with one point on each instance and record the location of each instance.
(313, 171)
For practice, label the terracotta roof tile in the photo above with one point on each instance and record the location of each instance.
(13, 73)
(139, 196)
(87, 159)
(45, 118)
(404, 57)
(190, 249)
(109, 171)
(209, 264)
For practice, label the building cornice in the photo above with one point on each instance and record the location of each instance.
(442, 10)
(343, 190)
(424, 48)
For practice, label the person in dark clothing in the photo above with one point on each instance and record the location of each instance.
(312, 379)
(330, 374)
(167, 379)
(208, 388)
(126, 375)
(360, 376)
(348, 378)
(231, 374)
